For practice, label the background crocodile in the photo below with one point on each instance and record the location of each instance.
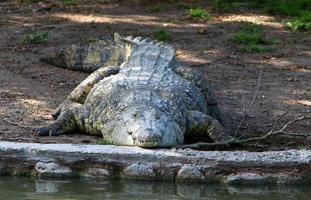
(149, 100)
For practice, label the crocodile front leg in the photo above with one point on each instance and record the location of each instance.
(67, 121)
(80, 93)
(200, 82)
(203, 126)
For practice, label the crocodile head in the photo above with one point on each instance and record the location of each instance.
(146, 126)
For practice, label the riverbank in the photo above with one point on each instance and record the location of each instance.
(110, 162)
(30, 90)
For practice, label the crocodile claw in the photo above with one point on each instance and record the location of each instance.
(47, 131)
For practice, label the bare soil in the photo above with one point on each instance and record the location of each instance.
(30, 90)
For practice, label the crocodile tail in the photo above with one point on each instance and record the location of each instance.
(88, 58)
(133, 41)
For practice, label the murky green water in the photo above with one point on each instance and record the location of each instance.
(12, 188)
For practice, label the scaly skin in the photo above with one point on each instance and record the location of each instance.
(150, 100)
(99, 53)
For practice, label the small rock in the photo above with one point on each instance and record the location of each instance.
(247, 178)
(96, 172)
(139, 171)
(189, 173)
(290, 79)
(234, 56)
(202, 31)
(52, 170)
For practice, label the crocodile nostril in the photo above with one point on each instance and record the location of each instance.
(149, 129)
(135, 114)
(130, 132)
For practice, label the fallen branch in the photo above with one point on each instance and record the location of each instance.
(272, 132)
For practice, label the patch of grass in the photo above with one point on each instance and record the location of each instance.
(251, 39)
(252, 28)
(302, 23)
(162, 35)
(255, 48)
(248, 38)
(279, 7)
(36, 38)
(283, 7)
(221, 6)
(299, 10)
(251, 33)
(70, 2)
(199, 13)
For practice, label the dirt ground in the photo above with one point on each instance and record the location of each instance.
(30, 90)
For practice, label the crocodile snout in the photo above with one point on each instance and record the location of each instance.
(147, 139)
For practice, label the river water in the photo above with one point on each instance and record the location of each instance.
(12, 188)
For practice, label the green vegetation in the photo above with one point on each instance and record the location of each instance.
(36, 37)
(302, 23)
(293, 8)
(280, 7)
(162, 35)
(298, 10)
(199, 13)
(251, 39)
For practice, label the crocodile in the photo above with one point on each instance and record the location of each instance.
(138, 94)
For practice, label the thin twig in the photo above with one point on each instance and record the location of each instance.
(252, 139)
(10, 22)
(17, 124)
(298, 134)
(251, 105)
(278, 121)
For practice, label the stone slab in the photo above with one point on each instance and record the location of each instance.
(108, 161)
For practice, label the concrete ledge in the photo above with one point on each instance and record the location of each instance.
(107, 161)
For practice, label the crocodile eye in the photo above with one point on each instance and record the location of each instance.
(134, 115)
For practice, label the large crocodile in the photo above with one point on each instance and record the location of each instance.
(149, 100)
